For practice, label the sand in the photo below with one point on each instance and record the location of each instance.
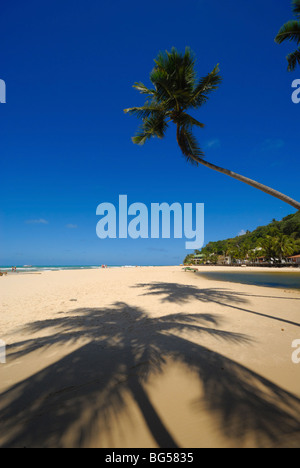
(147, 357)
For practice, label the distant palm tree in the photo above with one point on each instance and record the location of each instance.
(245, 251)
(176, 90)
(268, 247)
(290, 31)
(284, 246)
(281, 246)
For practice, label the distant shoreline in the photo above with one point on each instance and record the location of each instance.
(273, 267)
(42, 269)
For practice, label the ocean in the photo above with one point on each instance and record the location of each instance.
(39, 269)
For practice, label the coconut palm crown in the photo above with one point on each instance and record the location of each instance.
(290, 31)
(177, 90)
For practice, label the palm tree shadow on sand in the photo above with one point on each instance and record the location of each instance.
(182, 293)
(65, 403)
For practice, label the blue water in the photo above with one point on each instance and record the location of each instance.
(40, 269)
(276, 279)
(33, 268)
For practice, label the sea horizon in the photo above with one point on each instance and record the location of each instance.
(29, 268)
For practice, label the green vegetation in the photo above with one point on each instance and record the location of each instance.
(290, 31)
(272, 243)
(177, 91)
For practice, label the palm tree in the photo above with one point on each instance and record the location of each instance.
(284, 246)
(267, 244)
(245, 250)
(176, 90)
(290, 31)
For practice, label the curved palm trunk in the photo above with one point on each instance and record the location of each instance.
(253, 183)
(246, 180)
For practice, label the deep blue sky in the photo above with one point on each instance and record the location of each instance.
(65, 143)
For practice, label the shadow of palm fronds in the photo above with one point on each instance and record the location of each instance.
(181, 293)
(85, 392)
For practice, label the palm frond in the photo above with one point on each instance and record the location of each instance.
(174, 77)
(156, 125)
(141, 137)
(290, 31)
(189, 145)
(293, 60)
(296, 7)
(205, 86)
(173, 63)
(153, 126)
(145, 111)
(186, 120)
(162, 87)
(143, 89)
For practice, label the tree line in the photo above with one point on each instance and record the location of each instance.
(274, 243)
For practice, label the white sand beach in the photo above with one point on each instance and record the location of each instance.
(147, 357)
